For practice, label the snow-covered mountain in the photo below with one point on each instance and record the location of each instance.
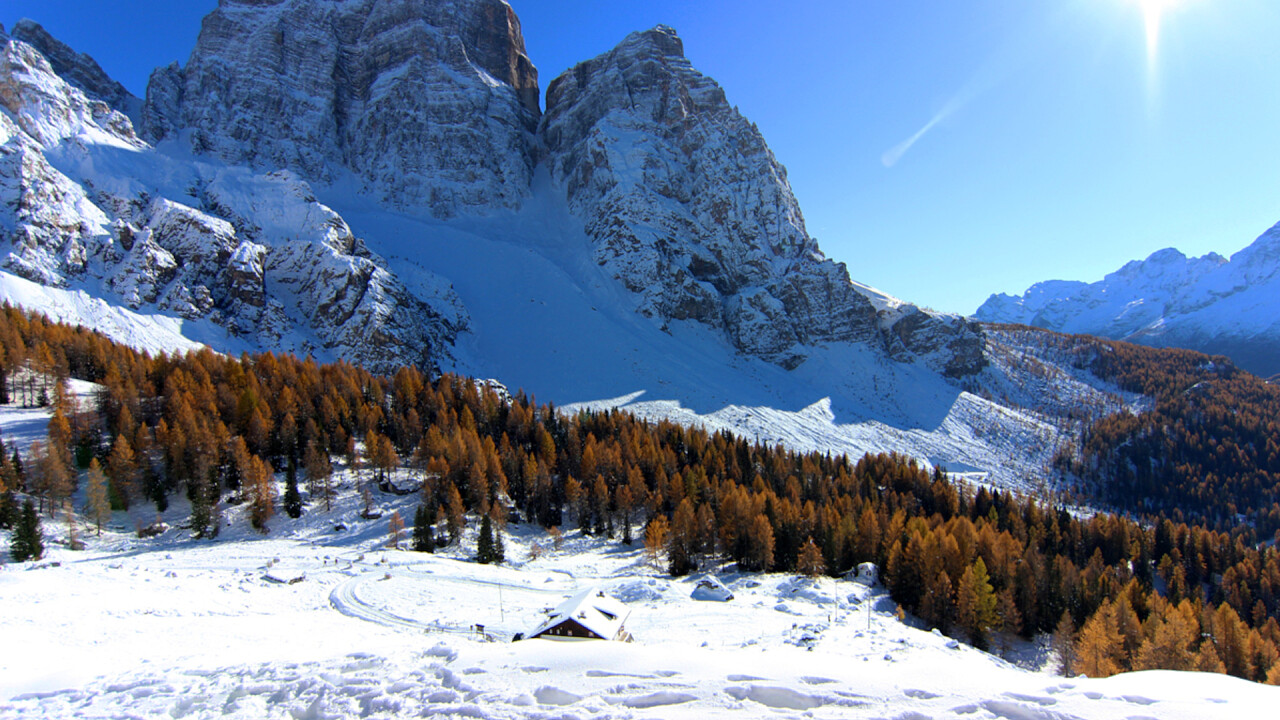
(79, 69)
(687, 207)
(427, 105)
(242, 259)
(1210, 303)
(371, 180)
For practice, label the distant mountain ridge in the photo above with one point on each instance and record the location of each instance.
(1211, 304)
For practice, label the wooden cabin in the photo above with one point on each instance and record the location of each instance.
(589, 615)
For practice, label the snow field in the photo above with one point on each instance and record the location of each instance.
(171, 627)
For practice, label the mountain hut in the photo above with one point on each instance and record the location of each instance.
(589, 615)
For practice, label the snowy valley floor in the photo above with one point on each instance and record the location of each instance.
(170, 627)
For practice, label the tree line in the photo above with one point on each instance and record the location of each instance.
(978, 564)
(1207, 451)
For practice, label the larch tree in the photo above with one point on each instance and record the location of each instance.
(1010, 618)
(681, 540)
(73, 529)
(655, 539)
(98, 505)
(261, 488)
(1100, 648)
(455, 513)
(938, 606)
(625, 502)
(810, 563)
(1064, 644)
(395, 529)
(121, 470)
(760, 545)
(1172, 633)
(1207, 658)
(319, 472)
(382, 455)
(573, 495)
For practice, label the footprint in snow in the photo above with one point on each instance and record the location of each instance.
(551, 695)
(1031, 698)
(608, 674)
(652, 700)
(779, 698)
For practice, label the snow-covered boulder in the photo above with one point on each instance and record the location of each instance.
(866, 574)
(710, 588)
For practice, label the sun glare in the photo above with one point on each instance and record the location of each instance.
(1152, 11)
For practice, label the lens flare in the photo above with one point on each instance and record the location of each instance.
(1152, 12)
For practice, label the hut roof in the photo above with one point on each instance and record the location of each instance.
(593, 610)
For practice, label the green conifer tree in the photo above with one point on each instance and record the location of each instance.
(8, 509)
(292, 498)
(484, 545)
(19, 470)
(27, 542)
(423, 530)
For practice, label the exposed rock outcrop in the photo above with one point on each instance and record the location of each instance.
(689, 209)
(78, 69)
(431, 108)
(429, 105)
(85, 203)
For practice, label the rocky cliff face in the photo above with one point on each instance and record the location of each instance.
(1209, 303)
(84, 203)
(429, 105)
(78, 69)
(688, 208)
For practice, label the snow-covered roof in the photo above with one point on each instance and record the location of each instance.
(593, 610)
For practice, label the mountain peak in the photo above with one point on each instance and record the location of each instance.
(662, 38)
(78, 69)
(430, 106)
(688, 209)
(1206, 303)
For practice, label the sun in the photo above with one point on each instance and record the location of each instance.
(1152, 11)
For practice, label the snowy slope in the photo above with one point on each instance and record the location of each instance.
(179, 628)
(1210, 304)
(545, 318)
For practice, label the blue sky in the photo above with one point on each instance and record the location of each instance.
(1054, 144)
